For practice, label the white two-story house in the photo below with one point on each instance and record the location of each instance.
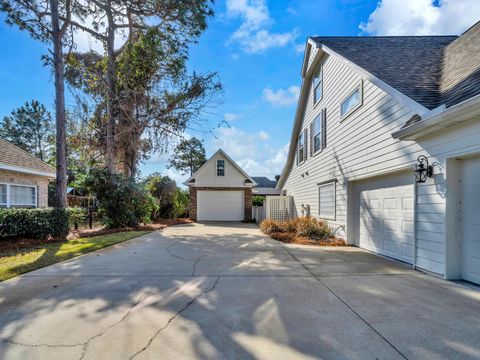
(369, 107)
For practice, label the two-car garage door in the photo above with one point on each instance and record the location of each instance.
(220, 205)
(384, 216)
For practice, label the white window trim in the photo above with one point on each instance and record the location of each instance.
(328, 183)
(356, 107)
(216, 168)
(301, 136)
(319, 66)
(319, 118)
(9, 204)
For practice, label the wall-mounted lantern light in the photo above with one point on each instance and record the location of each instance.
(422, 169)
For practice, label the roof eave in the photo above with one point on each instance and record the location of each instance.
(23, 170)
(454, 115)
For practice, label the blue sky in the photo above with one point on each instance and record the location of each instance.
(256, 46)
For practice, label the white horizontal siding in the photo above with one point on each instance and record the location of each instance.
(361, 145)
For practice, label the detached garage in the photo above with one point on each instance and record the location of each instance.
(220, 191)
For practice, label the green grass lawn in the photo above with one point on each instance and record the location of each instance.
(19, 261)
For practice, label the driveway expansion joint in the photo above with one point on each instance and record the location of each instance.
(344, 303)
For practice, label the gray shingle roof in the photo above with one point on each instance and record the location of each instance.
(14, 156)
(264, 182)
(410, 64)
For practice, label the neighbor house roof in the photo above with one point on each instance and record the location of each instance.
(15, 159)
(264, 182)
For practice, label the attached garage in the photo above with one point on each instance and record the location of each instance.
(220, 205)
(470, 229)
(384, 215)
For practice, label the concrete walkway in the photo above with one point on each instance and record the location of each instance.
(228, 292)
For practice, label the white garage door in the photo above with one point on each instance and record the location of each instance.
(384, 216)
(471, 220)
(220, 206)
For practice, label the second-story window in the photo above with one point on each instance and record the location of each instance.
(301, 148)
(352, 102)
(220, 167)
(318, 129)
(317, 83)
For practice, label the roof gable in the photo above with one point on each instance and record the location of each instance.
(235, 176)
(410, 64)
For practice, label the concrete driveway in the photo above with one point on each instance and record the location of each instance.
(227, 292)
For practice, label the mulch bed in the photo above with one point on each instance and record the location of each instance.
(15, 243)
(291, 238)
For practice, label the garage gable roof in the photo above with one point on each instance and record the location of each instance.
(191, 179)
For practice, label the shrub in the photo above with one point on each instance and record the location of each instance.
(313, 228)
(170, 200)
(269, 226)
(121, 201)
(257, 200)
(302, 226)
(289, 226)
(34, 223)
(76, 215)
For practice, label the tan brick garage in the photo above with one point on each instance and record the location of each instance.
(246, 207)
(220, 191)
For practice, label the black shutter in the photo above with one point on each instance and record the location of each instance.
(324, 128)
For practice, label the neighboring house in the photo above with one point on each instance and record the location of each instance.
(220, 191)
(23, 178)
(368, 108)
(265, 186)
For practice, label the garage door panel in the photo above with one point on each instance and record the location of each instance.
(220, 206)
(471, 220)
(384, 216)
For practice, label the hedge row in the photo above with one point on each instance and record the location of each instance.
(37, 223)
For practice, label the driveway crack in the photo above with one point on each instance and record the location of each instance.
(174, 316)
(193, 261)
(84, 345)
(344, 303)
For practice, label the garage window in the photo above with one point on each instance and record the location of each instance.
(220, 167)
(326, 200)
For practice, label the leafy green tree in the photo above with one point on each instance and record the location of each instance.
(154, 98)
(121, 201)
(179, 23)
(170, 200)
(31, 128)
(188, 156)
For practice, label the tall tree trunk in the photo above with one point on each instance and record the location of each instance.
(111, 91)
(61, 155)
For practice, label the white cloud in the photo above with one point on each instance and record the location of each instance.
(231, 116)
(422, 17)
(253, 34)
(252, 151)
(299, 48)
(282, 97)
